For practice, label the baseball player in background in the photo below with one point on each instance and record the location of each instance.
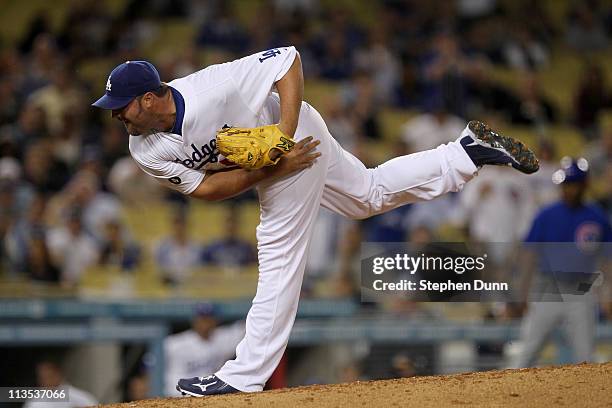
(202, 349)
(205, 135)
(565, 239)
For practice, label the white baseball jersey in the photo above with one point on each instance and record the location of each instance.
(235, 94)
(239, 93)
(189, 355)
(77, 398)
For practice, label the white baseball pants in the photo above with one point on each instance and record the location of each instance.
(289, 207)
(575, 314)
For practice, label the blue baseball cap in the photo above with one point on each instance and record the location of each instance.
(571, 171)
(126, 82)
(206, 310)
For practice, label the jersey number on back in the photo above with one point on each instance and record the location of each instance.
(269, 54)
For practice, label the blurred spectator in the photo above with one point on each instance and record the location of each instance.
(66, 142)
(39, 24)
(544, 191)
(541, 22)
(11, 181)
(445, 70)
(39, 264)
(429, 130)
(49, 375)
(85, 30)
(378, 59)
(404, 24)
(299, 34)
(362, 104)
(12, 69)
(118, 249)
(72, 249)
(585, 30)
(201, 350)
(348, 278)
(26, 244)
(387, 227)
(222, 30)
(599, 153)
(40, 63)
(42, 170)
(230, 250)
(6, 219)
(98, 207)
(131, 185)
(267, 36)
(523, 51)
(484, 41)
(407, 93)
(125, 35)
(590, 99)
(30, 127)
(173, 65)
(533, 108)
(322, 252)
(336, 43)
(445, 210)
(177, 255)
(91, 162)
(18, 237)
(9, 107)
(340, 125)
(59, 98)
(488, 95)
(494, 192)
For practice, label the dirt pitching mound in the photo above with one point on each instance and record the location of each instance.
(582, 385)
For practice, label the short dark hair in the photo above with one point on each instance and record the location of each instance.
(161, 91)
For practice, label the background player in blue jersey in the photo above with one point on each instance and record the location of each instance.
(562, 290)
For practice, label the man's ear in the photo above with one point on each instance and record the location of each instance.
(148, 100)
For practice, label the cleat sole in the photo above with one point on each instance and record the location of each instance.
(524, 159)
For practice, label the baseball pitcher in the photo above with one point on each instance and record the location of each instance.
(222, 130)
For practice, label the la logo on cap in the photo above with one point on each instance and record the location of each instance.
(108, 84)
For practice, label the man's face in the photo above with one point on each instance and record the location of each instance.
(573, 193)
(48, 375)
(204, 325)
(135, 116)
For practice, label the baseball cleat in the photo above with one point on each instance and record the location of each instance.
(203, 386)
(484, 146)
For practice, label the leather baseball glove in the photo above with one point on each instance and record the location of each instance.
(250, 147)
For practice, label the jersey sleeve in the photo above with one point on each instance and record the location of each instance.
(171, 174)
(255, 75)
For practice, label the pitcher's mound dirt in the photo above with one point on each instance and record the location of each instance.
(582, 385)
